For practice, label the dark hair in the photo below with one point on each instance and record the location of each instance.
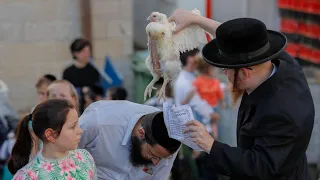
(49, 114)
(118, 93)
(45, 79)
(156, 132)
(50, 77)
(77, 45)
(95, 91)
(184, 56)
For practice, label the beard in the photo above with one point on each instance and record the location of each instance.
(136, 157)
(236, 93)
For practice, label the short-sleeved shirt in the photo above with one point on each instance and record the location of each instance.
(78, 164)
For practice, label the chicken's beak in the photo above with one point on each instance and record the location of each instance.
(149, 18)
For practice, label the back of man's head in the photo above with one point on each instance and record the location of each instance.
(156, 132)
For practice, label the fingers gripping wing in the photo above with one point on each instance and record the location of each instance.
(190, 37)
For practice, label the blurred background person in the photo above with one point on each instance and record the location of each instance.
(209, 89)
(93, 94)
(62, 89)
(117, 93)
(81, 73)
(42, 86)
(8, 121)
(186, 93)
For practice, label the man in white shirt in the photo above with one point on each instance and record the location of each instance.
(127, 140)
(184, 92)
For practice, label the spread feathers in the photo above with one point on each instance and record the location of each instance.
(165, 47)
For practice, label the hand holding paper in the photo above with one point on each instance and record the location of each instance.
(175, 120)
(199, 135)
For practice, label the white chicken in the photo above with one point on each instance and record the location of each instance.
(158, 17)
(165, 47)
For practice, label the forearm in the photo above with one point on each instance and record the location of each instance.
(207, 24)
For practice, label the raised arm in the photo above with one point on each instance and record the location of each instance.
(185, 18)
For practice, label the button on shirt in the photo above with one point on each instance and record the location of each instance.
(107, 128)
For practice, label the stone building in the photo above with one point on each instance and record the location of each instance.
(35, 36)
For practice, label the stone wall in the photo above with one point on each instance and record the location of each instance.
(35, 36)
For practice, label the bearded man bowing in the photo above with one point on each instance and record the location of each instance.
(128, 141)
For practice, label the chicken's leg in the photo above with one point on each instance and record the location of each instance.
(162, 91)
(150, 87)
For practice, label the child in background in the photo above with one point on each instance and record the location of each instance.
(209, 89)
(117, 93)
(63, 89)
(42, 86)
(55, 122)
(92, 94)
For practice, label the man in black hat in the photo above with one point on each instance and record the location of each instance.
(276, 114)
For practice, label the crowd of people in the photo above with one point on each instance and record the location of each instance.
(78, 130)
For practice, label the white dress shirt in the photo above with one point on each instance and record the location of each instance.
(107, 128)
(182, 86)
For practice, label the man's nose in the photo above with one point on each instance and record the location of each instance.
(155, 161)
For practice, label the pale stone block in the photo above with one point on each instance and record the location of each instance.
(105, 8)
(99, 28)
(126, 9)
(115, 28)
(35, 53)
(50, 30)
(10, 31)
(14, 11)
(128, 45)
(40, 10)
(112, 47)
(119, 28)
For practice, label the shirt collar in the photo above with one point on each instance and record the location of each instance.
(130, 127)
(274, 70)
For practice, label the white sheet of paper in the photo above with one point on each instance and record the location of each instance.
(175, 119)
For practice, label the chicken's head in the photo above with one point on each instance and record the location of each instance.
(157, 17)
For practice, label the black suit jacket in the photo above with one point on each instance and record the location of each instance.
(274, 126)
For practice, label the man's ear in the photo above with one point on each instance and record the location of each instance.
(245, 74)
(141, 133)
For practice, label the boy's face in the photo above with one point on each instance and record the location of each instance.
(42, 92)
(83, 56)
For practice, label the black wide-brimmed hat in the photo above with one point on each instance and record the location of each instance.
(243, 42)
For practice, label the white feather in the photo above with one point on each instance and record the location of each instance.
(190, 37)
